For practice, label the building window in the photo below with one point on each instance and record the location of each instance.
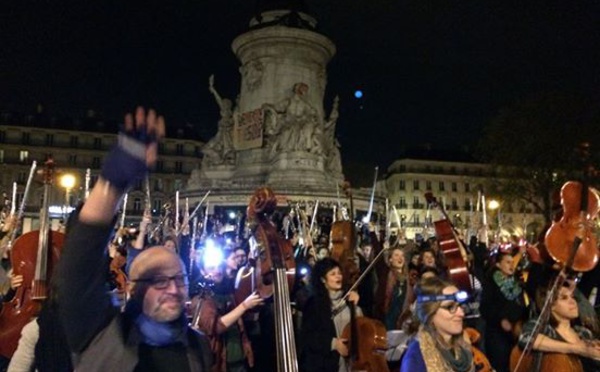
(454, 187)
(428, 185)
(158, 185)
(96, 162)
(402, 185)
(93, 181)
(454, 204)
(417, 219)
(25, 138)
(49, 139)
(74, 141)
(179, 149)
(416, 202)
(157, 205)
(98, 143)
(178, 167)
(2, 136)
(23, 155)
(402, 202)
(467, 187)
(442, 187)
(137, 204)
(415, 184)
(160, 165)
(72, 159)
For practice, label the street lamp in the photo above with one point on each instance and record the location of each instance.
(494, 205)
(68, 182)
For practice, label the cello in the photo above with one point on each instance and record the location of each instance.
(453, 249)
(367, 337)
(571, 244)
(34, 255)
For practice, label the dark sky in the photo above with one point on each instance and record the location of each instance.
(432, 71)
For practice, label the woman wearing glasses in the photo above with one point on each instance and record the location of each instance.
(439, 344)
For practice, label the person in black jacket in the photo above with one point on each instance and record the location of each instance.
(152, 333)
(502, 306)
(323, 320)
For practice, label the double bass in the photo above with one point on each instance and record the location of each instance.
(271, 273)
(34, 255)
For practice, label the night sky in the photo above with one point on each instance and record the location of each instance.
(431, 71)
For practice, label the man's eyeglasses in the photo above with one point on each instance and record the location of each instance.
(162, 281)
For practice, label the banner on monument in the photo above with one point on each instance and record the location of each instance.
(248, 130)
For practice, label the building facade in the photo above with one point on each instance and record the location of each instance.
(74, 153)
(458, 188)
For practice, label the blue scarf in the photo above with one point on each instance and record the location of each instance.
(159, 333)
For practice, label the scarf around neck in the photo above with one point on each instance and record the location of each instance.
(508, 286)
(440, 359)
(160, 333)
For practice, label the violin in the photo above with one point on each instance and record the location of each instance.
(34, 256)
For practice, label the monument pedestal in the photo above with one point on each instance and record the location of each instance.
(298, 169)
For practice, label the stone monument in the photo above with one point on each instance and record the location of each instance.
(277, 133)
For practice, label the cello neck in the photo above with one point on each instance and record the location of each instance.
(39, 290)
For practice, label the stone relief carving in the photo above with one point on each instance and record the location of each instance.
(219, 150)
(293, 124)
(252, 73)
(332, 146)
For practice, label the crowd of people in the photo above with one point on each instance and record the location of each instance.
(178, 308)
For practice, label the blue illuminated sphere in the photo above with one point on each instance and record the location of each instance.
(358, 93)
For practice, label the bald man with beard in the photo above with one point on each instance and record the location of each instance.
(152, 333)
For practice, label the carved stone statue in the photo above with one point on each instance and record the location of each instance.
(297, 126)
(219, 150)
(331, 144)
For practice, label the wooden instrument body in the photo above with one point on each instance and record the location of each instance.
(575, 223)
(343, 240)
(451, 249)
(372, 344)
(24, 307)
(550, 362)
(481, 362)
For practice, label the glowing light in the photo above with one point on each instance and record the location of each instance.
(232, 215)
(358, 93)
(67, 181)
(303, 271)
(493, 204)
(213, 255)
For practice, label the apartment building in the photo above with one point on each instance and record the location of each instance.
(457, 185)
(76, 146)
